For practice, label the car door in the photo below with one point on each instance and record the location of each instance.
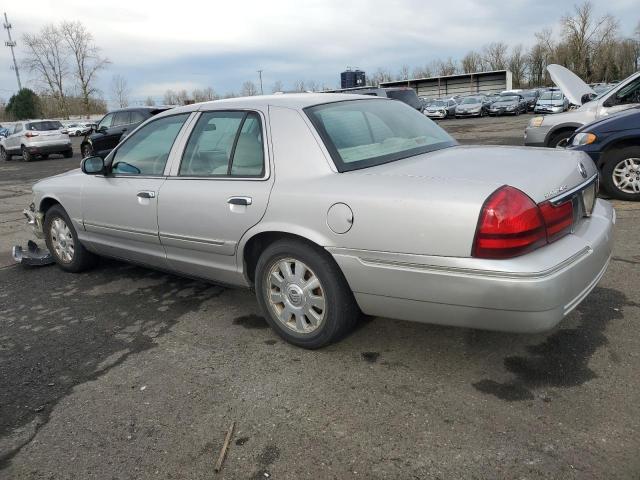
(100, 139)
(119, 127)
(215, 193)
(119, 209)
(9, 141)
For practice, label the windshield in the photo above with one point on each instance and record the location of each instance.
(508, 98)
(529, 94)
(551, 96)
(410, 97)
(44, 126)
(365, 133)
(438, 103)
(471, 100)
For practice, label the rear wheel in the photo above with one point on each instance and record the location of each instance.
(45, 156)
(26, 156)
(621, 173)
(304, 295)
(62, 241)
(6, 156)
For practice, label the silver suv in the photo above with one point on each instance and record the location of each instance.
(36, 138)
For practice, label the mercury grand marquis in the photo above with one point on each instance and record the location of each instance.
(332, 206)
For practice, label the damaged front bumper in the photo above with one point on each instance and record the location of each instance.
(35, 220)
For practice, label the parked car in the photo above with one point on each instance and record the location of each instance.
(613, 143)
(474, 106)
(441, 109)
(531, 96)
(330, 205)
(113, 126)
(550, 130)
(508, 104)
(78, 129)
(404, 94)
(551, 101)
(36, 138)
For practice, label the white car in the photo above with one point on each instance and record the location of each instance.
(78, 129)
(36, 138)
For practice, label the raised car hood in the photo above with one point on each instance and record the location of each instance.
(541, 173)
(571, 85)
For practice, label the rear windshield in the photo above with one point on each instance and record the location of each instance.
(364, 133)
(471, 100)
(44, 126)
(410, 97)
(551, 96)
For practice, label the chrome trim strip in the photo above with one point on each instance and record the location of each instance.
(375, 262)
(121, 229)
(569, 193)
(206, 241)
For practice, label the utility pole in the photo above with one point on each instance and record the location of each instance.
(12, 44)
(260, 75)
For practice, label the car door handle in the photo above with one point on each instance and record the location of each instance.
(239, 201)
(147, 194)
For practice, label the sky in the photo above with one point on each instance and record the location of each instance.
(160, 45)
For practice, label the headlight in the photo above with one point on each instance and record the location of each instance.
(536, 122)
(584, 139)
(510, 107)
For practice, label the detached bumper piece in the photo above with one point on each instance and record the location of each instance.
(33, 256)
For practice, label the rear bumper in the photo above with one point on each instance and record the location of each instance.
(49, 147)
(527, 294)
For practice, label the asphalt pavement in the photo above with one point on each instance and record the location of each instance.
(123, 372)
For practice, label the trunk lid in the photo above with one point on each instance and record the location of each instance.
(571, 85)
(541, 173)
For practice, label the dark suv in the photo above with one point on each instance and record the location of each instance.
(113, 126)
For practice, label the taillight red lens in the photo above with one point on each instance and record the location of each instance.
(557, 218)
(30, 134)
(510, 224)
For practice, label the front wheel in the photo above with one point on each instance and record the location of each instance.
(559, 137)
(304, 295)
(621, 173)
(86, 150)
(62, 241)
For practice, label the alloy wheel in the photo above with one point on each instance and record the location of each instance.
(62, 240)
(295, 295)
(626, 175)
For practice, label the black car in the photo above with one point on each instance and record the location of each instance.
(508, 104)
(113, 126)
(531, 96)
(613, 143)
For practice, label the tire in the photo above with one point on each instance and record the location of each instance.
(558, 137)
(86, 150)
(26, 156)
(59, 233)
(334, 301)
(6, 156)
(619, 163)
(45, 156)
(68, 154)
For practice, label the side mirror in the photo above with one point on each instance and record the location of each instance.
(587, 97)
(93, 166)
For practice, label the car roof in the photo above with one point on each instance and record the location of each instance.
(296, 101)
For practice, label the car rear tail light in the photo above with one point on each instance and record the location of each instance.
(558, 219)
(31, 134)
(510, 224)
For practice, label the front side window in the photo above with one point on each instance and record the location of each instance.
(18, 128)
(224, 143)
(106, 121)
(364, 133)
(146, 151)
(137, 117)
(121, 118)
(629, 93)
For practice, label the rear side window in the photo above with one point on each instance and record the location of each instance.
(224, 143)
(43, 126)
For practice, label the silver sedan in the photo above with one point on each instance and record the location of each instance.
(334, 205)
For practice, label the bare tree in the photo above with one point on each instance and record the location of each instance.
(248, 89)
(447, 67)
(86, 58)
(120, 91)
(170, 97)
(471, 62)
(183, 97)
(422, 72)
(403, 74)
(312, 86)
(517, 66)
(45, 57)
(204, 95)
(277, 86)
(149, 101)
(495, 55)
(380, 76)
(298, 86)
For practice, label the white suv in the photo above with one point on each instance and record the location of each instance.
(36, 138)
